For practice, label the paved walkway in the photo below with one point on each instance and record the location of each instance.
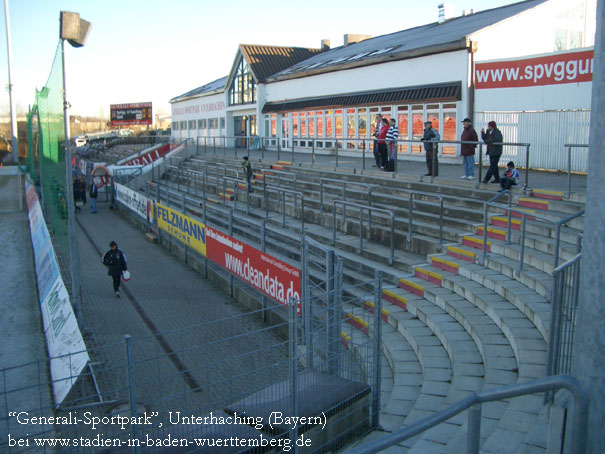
(165, 296)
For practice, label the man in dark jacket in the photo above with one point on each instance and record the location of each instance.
(247, 167)
(431, 149)
(493, 139)
(115, 261)
(467, 150)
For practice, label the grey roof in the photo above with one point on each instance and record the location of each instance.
(217, 85)
(413, 42)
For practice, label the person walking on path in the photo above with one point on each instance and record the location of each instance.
(467, 150)
(115, 261)
(377, 127)
(392, 136)
(248, 172)
(510, 178)
(93, 194)
(382, 145)
(493, 138)
(431, 149)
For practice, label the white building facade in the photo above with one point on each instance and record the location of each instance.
(443, 72)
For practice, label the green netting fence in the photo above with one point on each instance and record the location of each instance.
(46, 152)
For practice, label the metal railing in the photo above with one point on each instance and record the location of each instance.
(411, 215)
(335, 145)
(473, 404)
(566, 291)
(288, 177)
(344, 184)
(558, 225)
(236, 187)
(363, 208)
(282, 194)
(524, 215)
(571, 146)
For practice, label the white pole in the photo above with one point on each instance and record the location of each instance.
(13, 112)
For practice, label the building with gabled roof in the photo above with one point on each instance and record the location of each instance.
(312, 99)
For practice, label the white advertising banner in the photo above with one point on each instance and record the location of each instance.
(132, 199)
(66, 348)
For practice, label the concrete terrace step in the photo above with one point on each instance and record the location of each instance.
(532, 306)
(529, 352)
(401, 359)
(567, 234)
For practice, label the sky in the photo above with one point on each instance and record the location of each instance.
(150, 50)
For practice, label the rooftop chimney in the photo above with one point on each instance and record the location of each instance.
(350, 38)
(325, 44)
(445, 12)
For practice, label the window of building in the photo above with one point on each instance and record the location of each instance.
(222, 120)
(202, 124)
(320, 124)
(311, 124)
(192, 125)
(243, 86)
(213, 123)
(303, 124)
(183, 125)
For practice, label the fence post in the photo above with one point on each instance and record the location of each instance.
(480, 163)
(205, 256)
(522, 254)
(278, 148)
(307, 301)
(331, 317)
(292, 304)
(263, 248)
(377, 349)
(526, 185)
(473, 433)
(230, 234)
(132, 390)
(312, 152)
(363, 154)
(410, 216)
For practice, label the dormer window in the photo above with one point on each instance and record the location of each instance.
(243, 87)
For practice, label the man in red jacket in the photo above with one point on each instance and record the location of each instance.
(382, 145)
(467, 150)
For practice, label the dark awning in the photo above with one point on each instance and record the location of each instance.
(450, 91)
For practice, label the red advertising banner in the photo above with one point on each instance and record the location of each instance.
(276, 279)
(131, 114)
(559, 68)
(148, 158)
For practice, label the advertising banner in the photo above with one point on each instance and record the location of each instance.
(149, 157)
(131, 114)
(66, 348)
(553, 69)
(132, 199)
(276, 279)
(185, 229)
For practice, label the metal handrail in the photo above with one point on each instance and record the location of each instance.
(236, 182)
(282, 192)
(196, 173)
(559, 224)
(369, 140)
(569, 147)
(552, 362)
(344, 183)
(473, 403)
(411, 214)
(362, 208)
(279, 173)
(490, 202)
